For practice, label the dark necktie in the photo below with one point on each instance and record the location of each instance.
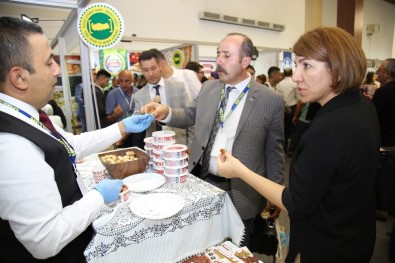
(44, 119)
(213, 134)
(157, 95)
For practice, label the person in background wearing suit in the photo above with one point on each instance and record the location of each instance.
(250, 126)
(191, 83)
(331, 195)
(384, 102)
(99, 101)
(43, 215)
(79, 99)
(168, 92)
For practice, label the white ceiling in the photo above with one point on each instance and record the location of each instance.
(51, 28)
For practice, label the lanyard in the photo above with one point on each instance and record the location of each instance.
(61, 139)
(130, 103)
(223, 118)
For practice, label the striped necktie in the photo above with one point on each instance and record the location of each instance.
(213, 134)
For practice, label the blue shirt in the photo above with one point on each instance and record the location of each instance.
(119, 96)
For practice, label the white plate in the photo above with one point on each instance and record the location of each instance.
(144, 182)
(157, 206)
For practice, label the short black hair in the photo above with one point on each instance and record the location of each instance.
(272, 70)
(103, 73)
(149, 54)
(14, 45)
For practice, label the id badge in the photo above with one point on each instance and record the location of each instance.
(219, 143)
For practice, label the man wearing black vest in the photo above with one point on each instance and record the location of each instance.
(43, 215)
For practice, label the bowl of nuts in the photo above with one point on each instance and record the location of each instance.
(121, 163)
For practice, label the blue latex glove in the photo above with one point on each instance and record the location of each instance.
(138, 123)
(109, 189)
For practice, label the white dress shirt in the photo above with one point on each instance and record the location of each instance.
(288, 88)
(191, 82)
(29, 197)
(231, 123)
(162, 91)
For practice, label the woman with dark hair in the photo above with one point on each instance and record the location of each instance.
(198, 69)
(369, 86)
(331, 197)
(261, 78)
(370, 78)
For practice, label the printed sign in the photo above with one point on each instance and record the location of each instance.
(114, 60)
(287, 60)
(179, 56)
(100, 26)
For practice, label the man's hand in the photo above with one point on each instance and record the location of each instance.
(137, 123)
(276, 210)
(118, 110)
(160, 111)
(109, 189)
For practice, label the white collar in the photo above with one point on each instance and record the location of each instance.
(241, 85)
(19, 104)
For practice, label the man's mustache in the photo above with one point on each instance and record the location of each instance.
(221, 69)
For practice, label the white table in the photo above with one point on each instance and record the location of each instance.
(207, 219)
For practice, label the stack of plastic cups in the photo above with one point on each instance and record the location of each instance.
(161, 140)
(149, 148)
(175, 164)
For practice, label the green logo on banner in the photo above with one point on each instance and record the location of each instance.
(177, 58)
(100, 26)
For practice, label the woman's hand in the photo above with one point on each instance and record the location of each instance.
(228, 166)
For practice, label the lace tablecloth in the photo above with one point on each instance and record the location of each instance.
(207, 219)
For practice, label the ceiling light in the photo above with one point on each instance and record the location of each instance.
(29, 19)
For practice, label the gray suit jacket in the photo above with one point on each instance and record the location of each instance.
(258, 141)
(176, 98)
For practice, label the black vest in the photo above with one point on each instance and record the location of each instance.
(11, 250)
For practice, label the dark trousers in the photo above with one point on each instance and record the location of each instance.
(385, 182)
(392, 245)
(289, 127)
(247, 234)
